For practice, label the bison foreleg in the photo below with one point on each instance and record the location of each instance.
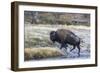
(63, 45)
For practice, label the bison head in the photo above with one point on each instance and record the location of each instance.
(53, 36)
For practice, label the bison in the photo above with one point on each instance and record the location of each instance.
(65, 37)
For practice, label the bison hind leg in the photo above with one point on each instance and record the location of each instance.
(78, 46)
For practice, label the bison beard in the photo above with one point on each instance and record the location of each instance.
(65, 37)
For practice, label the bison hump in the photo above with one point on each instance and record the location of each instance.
(61, 34)
(64, 34)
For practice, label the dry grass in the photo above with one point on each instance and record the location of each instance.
(41, 53)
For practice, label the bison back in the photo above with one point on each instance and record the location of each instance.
(67, 36)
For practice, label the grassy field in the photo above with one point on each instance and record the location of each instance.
(38, 45)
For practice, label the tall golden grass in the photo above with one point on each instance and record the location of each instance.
(41, 53)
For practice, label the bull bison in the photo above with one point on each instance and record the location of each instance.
(65, 37)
